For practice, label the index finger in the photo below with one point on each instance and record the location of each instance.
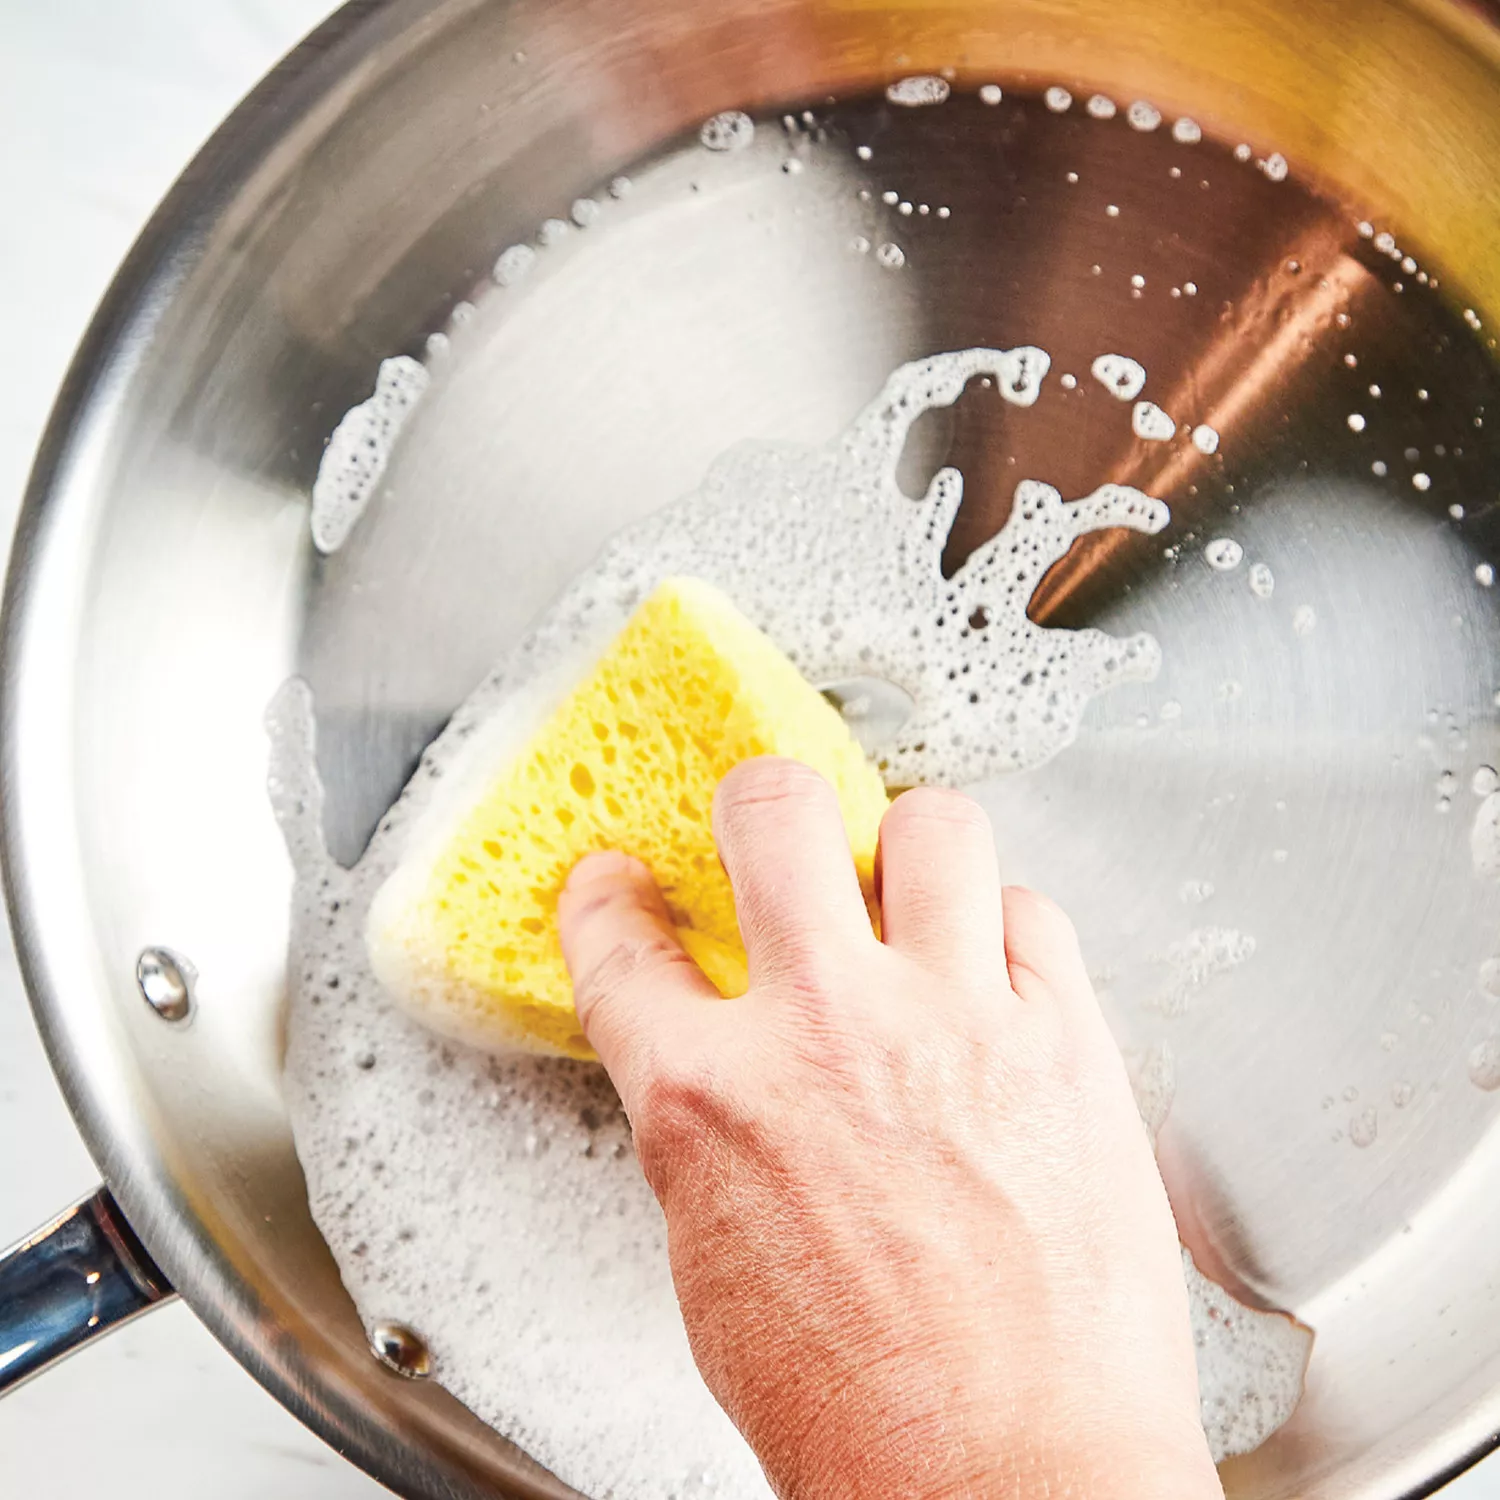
(781, 837)
(635, 988)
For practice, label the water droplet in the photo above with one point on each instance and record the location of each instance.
(1143, 116)
(1262, 581)
(1187, 132)
(1363, 1128)
(1484, 574)
(1401, 1094)
(1304, 619)
(1421, 481)
(1101, 106)
(891, 256)
(990, 93)
(1356, 422)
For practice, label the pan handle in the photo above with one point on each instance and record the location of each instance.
(75, 1278)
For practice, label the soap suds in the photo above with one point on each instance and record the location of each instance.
(359, 448)
(1484, 838)
(915, 92)
(1223, 554)
(494, 1203)
(1192, 961)
(730, 130)
(1151, 423)
(1120, 375)
(1153, 1081)
(1250, 1365)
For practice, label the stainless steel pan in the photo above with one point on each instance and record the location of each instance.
(164, 584)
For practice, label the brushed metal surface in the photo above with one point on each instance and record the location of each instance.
(165, 584)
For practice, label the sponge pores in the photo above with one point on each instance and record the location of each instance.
(464, 931)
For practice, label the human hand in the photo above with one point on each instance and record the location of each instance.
(915, 1225)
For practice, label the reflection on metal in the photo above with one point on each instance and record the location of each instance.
(166, 983)
(400, 1349)
(75, 1278)
(366, 193)
(873, 708)
(1243, 377)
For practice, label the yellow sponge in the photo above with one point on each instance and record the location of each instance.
(464, 931)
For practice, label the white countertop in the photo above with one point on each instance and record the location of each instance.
(101, 104)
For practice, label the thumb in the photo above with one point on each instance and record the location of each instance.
(634, 985)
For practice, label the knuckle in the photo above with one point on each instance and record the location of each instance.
(1029, 908)
(769, 780)
(626, 966)
(1041, 944)
(812, 977)
(940, 806)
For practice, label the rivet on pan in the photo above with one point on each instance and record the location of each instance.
(398, 1348)
(166, 982)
